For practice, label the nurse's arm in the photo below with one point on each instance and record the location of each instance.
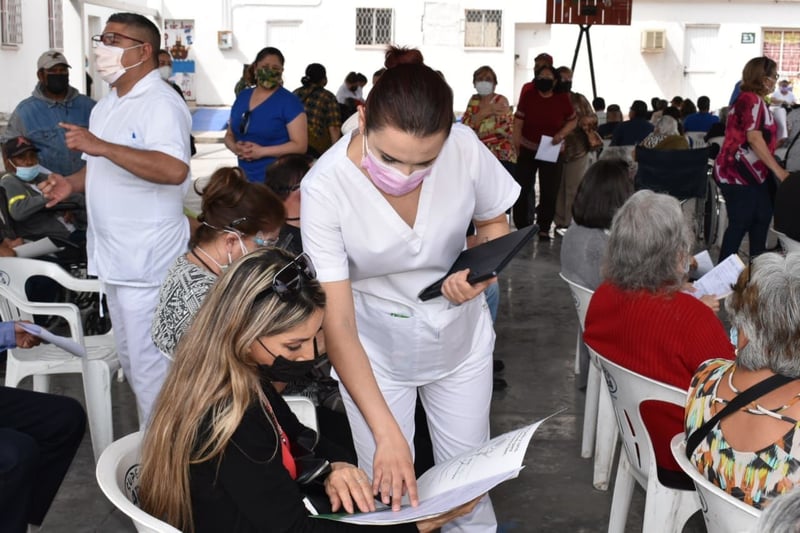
(393, 468)
(456, 288)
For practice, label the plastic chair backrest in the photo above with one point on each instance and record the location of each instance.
(117, 475)
(722, 512)
(679, 173)
(789, 244)
(697, 139)
(581, 296)
(628, 391)
(304, 410)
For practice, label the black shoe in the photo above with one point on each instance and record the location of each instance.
(499, 365)
(499, 384)
(544, 236)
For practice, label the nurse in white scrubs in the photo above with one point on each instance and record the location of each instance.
(384, 214)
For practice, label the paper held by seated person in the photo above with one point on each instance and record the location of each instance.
(65, 343)
(456, 481)
(721, 279)
(548, 151)
(37, 248)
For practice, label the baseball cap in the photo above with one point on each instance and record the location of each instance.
(17, 146)
(50, 59)
(547, 58)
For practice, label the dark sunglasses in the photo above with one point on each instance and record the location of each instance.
(289, 280)
(245, 123)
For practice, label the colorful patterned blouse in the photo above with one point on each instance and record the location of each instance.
(753, 477)
(493, 131)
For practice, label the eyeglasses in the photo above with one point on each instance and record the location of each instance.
(289, 280)
(263, 241)
(245, 123)
(111, 38)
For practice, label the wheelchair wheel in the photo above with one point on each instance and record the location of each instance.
(711, 214)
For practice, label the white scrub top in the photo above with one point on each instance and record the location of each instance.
(351, 232)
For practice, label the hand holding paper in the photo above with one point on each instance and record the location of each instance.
(65, 343)
(548, 150)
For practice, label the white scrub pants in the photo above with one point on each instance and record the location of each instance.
(457, 407)
(132, 310)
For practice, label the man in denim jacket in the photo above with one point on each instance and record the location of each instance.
(52, 101)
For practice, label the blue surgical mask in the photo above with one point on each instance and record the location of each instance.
(28, 173)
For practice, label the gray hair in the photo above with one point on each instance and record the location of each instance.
(767, 310)
(666, 125)
(649, 244)
(782, 515)
(621, 152)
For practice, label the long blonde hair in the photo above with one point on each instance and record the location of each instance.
(214, 379)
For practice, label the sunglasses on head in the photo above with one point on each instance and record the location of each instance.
(288, 281)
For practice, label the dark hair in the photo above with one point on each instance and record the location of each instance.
(639, 109)
(315, 73)
(486, 69)
(687, 108)
(286, 172)
(410, 96)
(230, 201)
(164, 52)
(604, 188)
(562, 69)
(360, 78)
(378, 73)
(151, 34)
(654, 102)
(352, 77)
(678, 99)
(613, 107)
(704, 103)
(754, 73)
(268, 51)
(599, 103)
(545, 67)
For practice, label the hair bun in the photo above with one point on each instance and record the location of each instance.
(397, 55)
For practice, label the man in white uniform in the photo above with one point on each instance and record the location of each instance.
(137, 173)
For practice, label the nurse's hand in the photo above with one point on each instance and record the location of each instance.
(393, 471)
(458, 290)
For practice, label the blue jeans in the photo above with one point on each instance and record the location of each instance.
(749, 210)
(492, 294)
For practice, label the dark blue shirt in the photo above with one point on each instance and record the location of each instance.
(701, 121)
(631, 132)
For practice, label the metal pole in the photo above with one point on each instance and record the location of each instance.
(591, 61)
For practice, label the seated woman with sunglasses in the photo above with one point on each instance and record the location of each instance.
(754, 453)
(266, 121)
(236, 217)
(220, 453)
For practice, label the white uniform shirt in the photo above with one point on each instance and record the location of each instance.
(137, 228)
(352, 232)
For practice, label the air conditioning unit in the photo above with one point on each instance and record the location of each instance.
(654, 41)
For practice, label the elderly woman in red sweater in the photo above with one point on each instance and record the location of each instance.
(641, 319)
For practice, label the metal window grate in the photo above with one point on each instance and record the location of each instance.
(55, 18)
(373, 26)
(483, 28)
(10, 22)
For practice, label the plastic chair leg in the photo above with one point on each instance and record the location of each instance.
(578, 354)
(13, 374)
(97, 391)
(668, 509)
(41, 383)
(623, 492)
(605, 442)
(590, 410)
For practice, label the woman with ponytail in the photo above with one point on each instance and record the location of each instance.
(384, 215)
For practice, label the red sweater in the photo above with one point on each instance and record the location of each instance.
(663, 337)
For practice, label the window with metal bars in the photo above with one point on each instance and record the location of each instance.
(783, 47)
(483, 28)
(373, 26)
(55, 20)
(10, 22)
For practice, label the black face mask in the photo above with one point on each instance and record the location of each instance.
(287, 371)
(544, 84)
(563, 87)
(57, 83)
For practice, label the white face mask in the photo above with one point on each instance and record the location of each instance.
(108, 62)
(484, 87)
(165, 72)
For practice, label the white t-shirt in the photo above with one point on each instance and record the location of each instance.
(344, 93)
(788, 98)
(137, 228)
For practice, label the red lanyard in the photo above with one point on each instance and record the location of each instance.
(286, 452)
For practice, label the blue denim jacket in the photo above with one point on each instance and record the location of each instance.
(37, 118)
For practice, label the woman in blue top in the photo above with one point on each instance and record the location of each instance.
(267, 121)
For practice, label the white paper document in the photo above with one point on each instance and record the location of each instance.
(458, 480)
(548, 151)
(65, 343)
(721, 278)
(704, 263)
(37, 248)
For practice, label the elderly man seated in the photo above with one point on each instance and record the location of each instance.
(641, 319)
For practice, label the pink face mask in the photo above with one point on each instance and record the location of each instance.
(389, 179)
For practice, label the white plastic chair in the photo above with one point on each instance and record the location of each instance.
(722, 512)
(46, 359)
(581, 297)
(789, 244)
(118, 477)
(666, 510)
(304, 410)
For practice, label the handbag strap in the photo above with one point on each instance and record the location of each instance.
(788, 150)
(745, 397)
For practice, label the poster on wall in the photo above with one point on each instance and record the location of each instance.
(178, 40)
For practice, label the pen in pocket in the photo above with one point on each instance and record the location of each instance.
(398, 315)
